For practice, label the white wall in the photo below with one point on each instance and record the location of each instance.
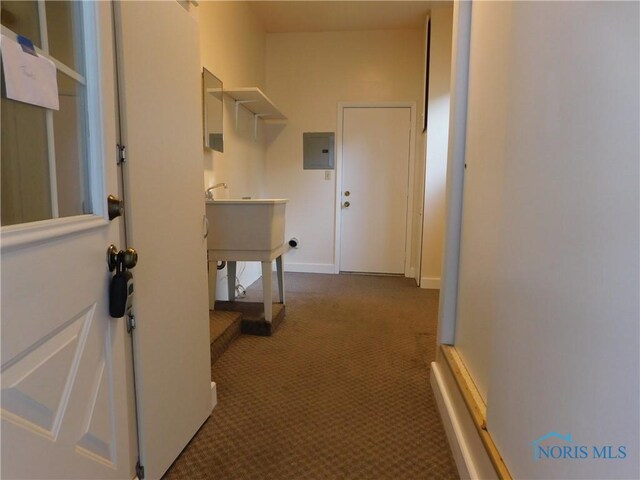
(437, 138)
(307, 75)
(232, 43)
(483, 184)
(550, 233)
(232, 40)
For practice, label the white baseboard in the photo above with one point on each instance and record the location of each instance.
(468, 451)
(214, 395)
(309, 267)
(430, 282)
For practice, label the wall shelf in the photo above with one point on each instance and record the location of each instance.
(257, 103)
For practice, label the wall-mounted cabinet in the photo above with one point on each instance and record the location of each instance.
(257, 103)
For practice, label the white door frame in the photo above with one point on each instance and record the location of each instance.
(338, 192)
(455, 172)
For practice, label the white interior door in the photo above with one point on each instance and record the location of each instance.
(160, 86)
(375, 178)
(67, 390)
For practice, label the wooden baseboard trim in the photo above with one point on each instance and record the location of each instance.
(476, 406)
(452, 423)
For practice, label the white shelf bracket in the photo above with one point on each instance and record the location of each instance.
(256, 116)
(255, 102)
(238, 103)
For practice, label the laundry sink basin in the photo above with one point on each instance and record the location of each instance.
(245, 229)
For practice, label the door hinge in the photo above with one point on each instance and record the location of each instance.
(139, 470)
(131, 322)
(122, 154)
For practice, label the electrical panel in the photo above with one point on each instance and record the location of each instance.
(318, 150)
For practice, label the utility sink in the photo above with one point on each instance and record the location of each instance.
(246, 229)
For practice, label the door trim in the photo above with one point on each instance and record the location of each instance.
(410, 190)
(448, 302)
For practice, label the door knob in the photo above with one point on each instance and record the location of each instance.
(115, 207)
(130, 257)
(346, 204)
(347, 193)
(127, 258)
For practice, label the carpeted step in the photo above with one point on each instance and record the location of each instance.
(253, 322)
(224, 328)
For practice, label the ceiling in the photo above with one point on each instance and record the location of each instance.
(322, 16)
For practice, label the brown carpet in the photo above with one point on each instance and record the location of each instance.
(341, 391)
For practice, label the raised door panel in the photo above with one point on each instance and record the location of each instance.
(66, 393)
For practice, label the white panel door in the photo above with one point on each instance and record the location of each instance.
(67, 392)
(160, 85)
(375, 178)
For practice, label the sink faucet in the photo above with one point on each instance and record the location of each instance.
(208, 194)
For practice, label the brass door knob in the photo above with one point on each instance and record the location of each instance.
(126, 258)
(346, 204)
(129, 257)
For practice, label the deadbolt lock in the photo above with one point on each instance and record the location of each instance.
(347, 193)
(115, 207)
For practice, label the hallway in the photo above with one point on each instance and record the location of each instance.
(341, 391)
